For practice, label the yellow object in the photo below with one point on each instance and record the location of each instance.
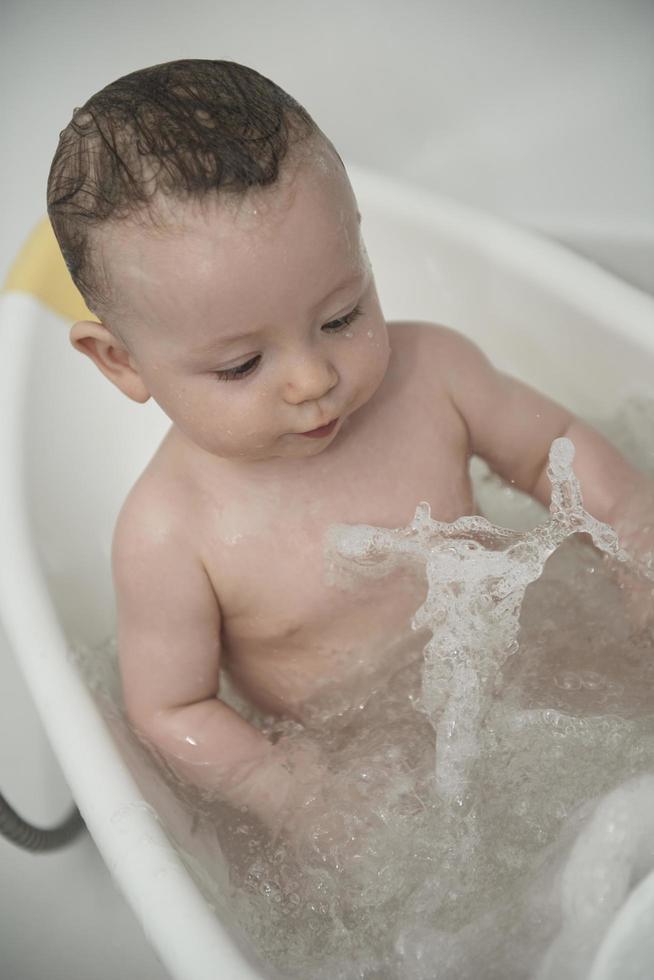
(39, 269)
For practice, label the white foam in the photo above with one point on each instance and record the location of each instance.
(477, 576)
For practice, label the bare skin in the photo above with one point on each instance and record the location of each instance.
(218, 553)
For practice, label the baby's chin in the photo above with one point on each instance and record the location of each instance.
(289, 446)
(302, 447)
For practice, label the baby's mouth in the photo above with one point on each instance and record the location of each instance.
(322, 431)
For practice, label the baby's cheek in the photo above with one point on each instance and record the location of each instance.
(377, 347)
(247, 427)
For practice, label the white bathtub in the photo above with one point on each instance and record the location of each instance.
(71, 446)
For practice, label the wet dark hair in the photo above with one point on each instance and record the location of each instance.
(183, 129)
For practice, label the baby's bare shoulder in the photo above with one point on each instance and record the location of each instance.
(155, 557)
(154, 517)
(168, 617)
(425, 334)
(422, 345)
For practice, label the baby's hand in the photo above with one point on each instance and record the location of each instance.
(293, 791)
(269, 785)
(327, 818)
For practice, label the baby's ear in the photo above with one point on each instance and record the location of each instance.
(110, 356)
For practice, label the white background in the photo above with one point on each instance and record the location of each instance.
(541, 111)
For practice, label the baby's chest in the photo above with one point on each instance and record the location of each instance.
(269, 563)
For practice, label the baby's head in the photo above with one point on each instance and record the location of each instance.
(211, 227)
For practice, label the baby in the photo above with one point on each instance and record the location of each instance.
(211, 228)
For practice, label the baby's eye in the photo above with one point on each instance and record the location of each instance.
(343, 321)
(240, 371)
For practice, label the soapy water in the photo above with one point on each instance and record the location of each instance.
(493, 797)
(477, 575)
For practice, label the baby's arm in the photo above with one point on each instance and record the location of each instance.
(512, 427)
(169, 652)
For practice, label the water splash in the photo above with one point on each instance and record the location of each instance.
(477, 575)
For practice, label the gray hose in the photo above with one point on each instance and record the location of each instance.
(25, 835)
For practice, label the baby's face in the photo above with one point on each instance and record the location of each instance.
(254, 322)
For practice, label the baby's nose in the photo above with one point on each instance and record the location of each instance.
(309, 378)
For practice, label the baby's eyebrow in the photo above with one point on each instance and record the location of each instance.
(217, 342)
(223, 340)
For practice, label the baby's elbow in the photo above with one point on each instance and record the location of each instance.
(156, 731)
(147, 725)
(171, 731)
(148, 718)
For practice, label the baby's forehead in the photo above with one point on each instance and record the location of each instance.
(312, 162)
(257, 208)
(153, 260)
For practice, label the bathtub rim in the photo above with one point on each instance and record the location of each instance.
(582, 282)
(632, 920)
